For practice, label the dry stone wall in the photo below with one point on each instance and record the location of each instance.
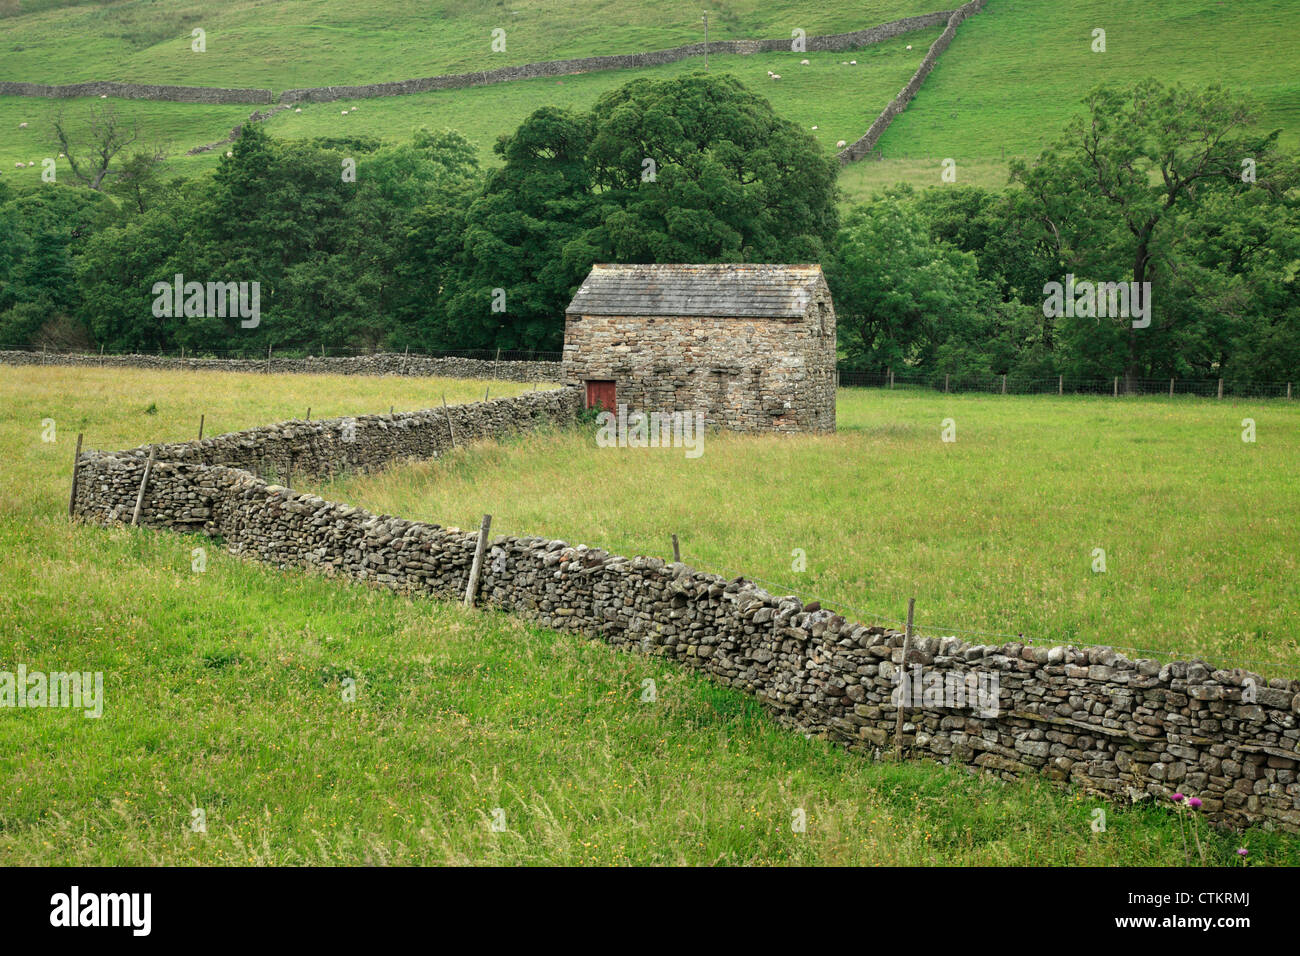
(452, 81)
(1128, 729)
(867, 143)
(138, 91)
(383, 363)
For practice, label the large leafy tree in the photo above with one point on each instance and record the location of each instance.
(693, 169)
(1112, 195)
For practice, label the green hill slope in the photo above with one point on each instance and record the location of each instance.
(296, 43)
(1016, 72)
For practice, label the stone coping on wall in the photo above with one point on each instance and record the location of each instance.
(1131, 730)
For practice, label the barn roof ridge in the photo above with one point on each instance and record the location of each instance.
(741, 290)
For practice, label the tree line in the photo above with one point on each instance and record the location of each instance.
(1165, 200)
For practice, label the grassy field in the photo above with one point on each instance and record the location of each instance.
(223, 688)
(991, 533)
(841, 101)
(990, 99)
(299, 43)
(1015, 73)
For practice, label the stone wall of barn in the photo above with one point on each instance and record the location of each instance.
(1132, 730)
(745, 374)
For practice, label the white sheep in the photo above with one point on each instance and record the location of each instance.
(345, 112)
(229, 154)
(804, 62)
(18, 166)
(353, 110)
(298, 110)
(770, 73)
(909, 46)
(814, 127)
(776, 76)
(853, 62)
(22, 125)
(841, 144)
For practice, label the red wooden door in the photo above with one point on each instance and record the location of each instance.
(600, 393)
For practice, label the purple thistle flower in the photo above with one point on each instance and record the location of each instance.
(1242, 851)
(1177, 798)
(1194, 803)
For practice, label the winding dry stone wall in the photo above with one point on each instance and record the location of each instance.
(383, 363)
(591, 64)
(1128, 729)
(867, 143)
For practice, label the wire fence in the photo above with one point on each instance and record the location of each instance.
(1118, 386)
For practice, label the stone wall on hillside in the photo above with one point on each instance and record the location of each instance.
(590, 64)
(1132, 730)
(857, 150)
(137, 91)
(382, 363)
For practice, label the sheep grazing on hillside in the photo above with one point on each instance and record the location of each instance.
(909, 46)
(22, 125)
(804, 62)
(853, 62)
(345, 112)
(353, 110)
(298, 110)
(229, 153)
(770, 73)
(18, 166)
(776, 76)
(814, 127)
(841, 144)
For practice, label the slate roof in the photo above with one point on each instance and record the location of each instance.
(741, 290)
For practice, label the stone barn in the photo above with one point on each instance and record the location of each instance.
(752, 346)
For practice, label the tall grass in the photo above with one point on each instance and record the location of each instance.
(224, 689)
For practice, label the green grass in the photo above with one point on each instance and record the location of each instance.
(223, 688)
(1016, 72)
(300, 43)
(992, 533)
(840, 100)
(1004, 89)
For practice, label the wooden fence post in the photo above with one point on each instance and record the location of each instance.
(268, 360)
(1115, 393)
(1060, 385)
(144, 483)
(677, 551)
(907, 646)
(1171, 388)
(477, 567)
(1220, 388)
(496, 362)
(1288, 389)
(201, 428)
(76, 467)
(1004, 384)
(486, 392)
